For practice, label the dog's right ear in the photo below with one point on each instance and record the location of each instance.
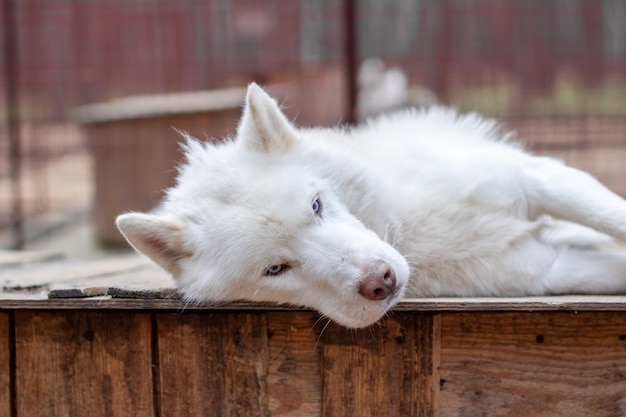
(263, 125)
(156, 237)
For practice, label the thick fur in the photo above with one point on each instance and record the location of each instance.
(417, 204)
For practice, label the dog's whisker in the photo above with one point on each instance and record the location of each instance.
(339, 220)
(319, 336)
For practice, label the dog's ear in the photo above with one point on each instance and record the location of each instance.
(263, 126)
(158, 238)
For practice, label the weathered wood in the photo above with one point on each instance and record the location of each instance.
(143, 285)
(246, 357)
(213, 364)
(159, 105)
(135, 160)
(519, 364)
(529, 304)
(5, 366)
(84, 272)
(78, 292)
(83, 364)
(170, 301)
(191, 364)
(294, 380)
(387, 370)
(14, 258)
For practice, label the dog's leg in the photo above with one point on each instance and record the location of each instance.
(570, 194)
(578, 271)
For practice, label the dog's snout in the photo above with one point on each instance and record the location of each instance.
(378, 281)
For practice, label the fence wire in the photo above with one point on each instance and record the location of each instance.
(553, 70)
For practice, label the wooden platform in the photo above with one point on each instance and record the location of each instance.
(112, 337)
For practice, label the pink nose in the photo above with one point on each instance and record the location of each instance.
(378, 281)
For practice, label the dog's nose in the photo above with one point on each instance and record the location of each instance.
(378, 281)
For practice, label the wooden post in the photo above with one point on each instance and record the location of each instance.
(350, 59)
(13, 122)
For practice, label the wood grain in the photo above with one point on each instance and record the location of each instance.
(83, 364)
(169, 301)
(523, 364)
(5, 365)
(212, 364)
(191, 364)
(246, 358)
(386, 370)
(294, 380)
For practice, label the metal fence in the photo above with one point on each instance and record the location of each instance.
(555, 70)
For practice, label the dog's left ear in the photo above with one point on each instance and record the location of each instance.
(263, 126)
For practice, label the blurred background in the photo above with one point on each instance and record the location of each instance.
(90, 89)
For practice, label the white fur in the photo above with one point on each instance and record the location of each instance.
(446, 201)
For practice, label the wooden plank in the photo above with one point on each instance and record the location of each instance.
(14, 258)
(294, 381)
(521, 364)
(246, 357)
(156, 105)
(135, 160)
(213, 364)
(148, 281)
(166, 299)
(527, 304)
(387, 370)
(83, 364)
(66, 271)
(191, 364)
(5, 365)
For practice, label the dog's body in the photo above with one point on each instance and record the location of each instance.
(417, 204)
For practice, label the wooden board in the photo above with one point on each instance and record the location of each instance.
(135, 161)
(191, 364)
(294, 380)
(520, 364)
(132, 282)
(15, 258)
(167, 299)
(381, 371)
(156, 105)
(5, 365)
(571, 303)
(212, 364)
(83, 364)
(131, 270)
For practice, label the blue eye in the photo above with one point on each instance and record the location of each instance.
(276, 270)
(316, 206)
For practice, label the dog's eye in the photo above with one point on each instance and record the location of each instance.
(317, 206)
(274, 270)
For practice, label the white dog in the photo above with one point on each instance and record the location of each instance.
(417, 204)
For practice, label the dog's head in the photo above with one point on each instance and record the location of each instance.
(252, 219)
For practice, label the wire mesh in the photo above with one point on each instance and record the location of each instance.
(553, 70)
